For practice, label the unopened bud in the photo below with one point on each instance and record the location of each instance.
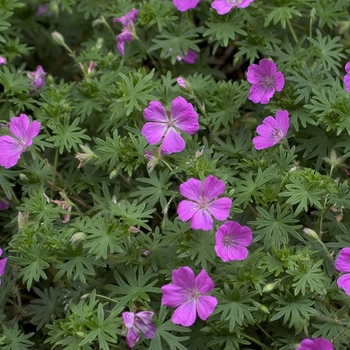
(184, 85)
(23, 177)
(311, 234)
(78, 237)
(134, 229)
(269, 287)
(58, 38)
(86, 156)
(261, 307)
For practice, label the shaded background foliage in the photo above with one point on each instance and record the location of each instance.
(69, 295)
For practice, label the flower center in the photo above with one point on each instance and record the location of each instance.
(193, 294)
(234, 2)
(268, 82)
(277, 134)
(21, 144)
(203, 202)
(228, 240)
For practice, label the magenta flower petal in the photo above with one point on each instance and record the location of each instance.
(155, 112)
(2, 267)
(128, 319)
(205, 306)
(184, 116)
(220, 208)
(315, 344)
(186, 209)
(127, 19)
(19, 126)
(148, 330)
(342, 262)
(145, 316)
(279, 81)
(172, 142)
(184, 5)
(213, 187)
(222, 6)
(185, 314)
(347, 77)
(344, 282)
(132, 337)
(173, 296)
(153, 132)
(202, 220)
(192, 189)
(10, 151)
(347, 67)
(257, 93)
(203, 283)
(183, 277)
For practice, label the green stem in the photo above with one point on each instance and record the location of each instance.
(101, 296)
(254, 340)
(286, 146)
(292, 31)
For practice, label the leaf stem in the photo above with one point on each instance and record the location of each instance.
(292, 31)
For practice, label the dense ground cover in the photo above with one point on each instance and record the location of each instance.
(173, 174)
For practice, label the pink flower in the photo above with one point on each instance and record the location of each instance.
(2, 265)
(232, 240)
(189, 58)
(203, 202)
(184, 5)
(189, 295)
(224, 6)
(136, 323)
(342, 264)
(128, 21)
(2, 61)
(13, 147)
(272, 130)
(182, 117)
(315, 344)
(37, 77)
(347, 77)
(265, 80)
(4, 204)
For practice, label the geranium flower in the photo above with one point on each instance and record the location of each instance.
(2, 61)
(161, 124)
(342, 264)
(2, 265)
(37, 77)
(315, 344)
(126, 35)
(13, 147)
(347, 77)
(203, 202)
(137, 323)
(189, 295)
(232, 240)
(184, 5)
(224, 6)
(272, 130)
(265, 79)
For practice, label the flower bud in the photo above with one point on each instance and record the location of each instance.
(78, 237)
(86, 156)
(261, 307)
(56, 36)
(311, 234)
(184, 85)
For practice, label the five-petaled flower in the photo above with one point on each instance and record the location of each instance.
(188, 294)
(126, 35)
(13, 147)
(224, 6)
(37, 77)
(315, 344)
(265, 79)
(203, 202)
(189, 58)
(182, 117)
(232, 240)
(2, 265)
(342, 264)
(272, 130)
(347, 77)
(184, 5)
(136, 323)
